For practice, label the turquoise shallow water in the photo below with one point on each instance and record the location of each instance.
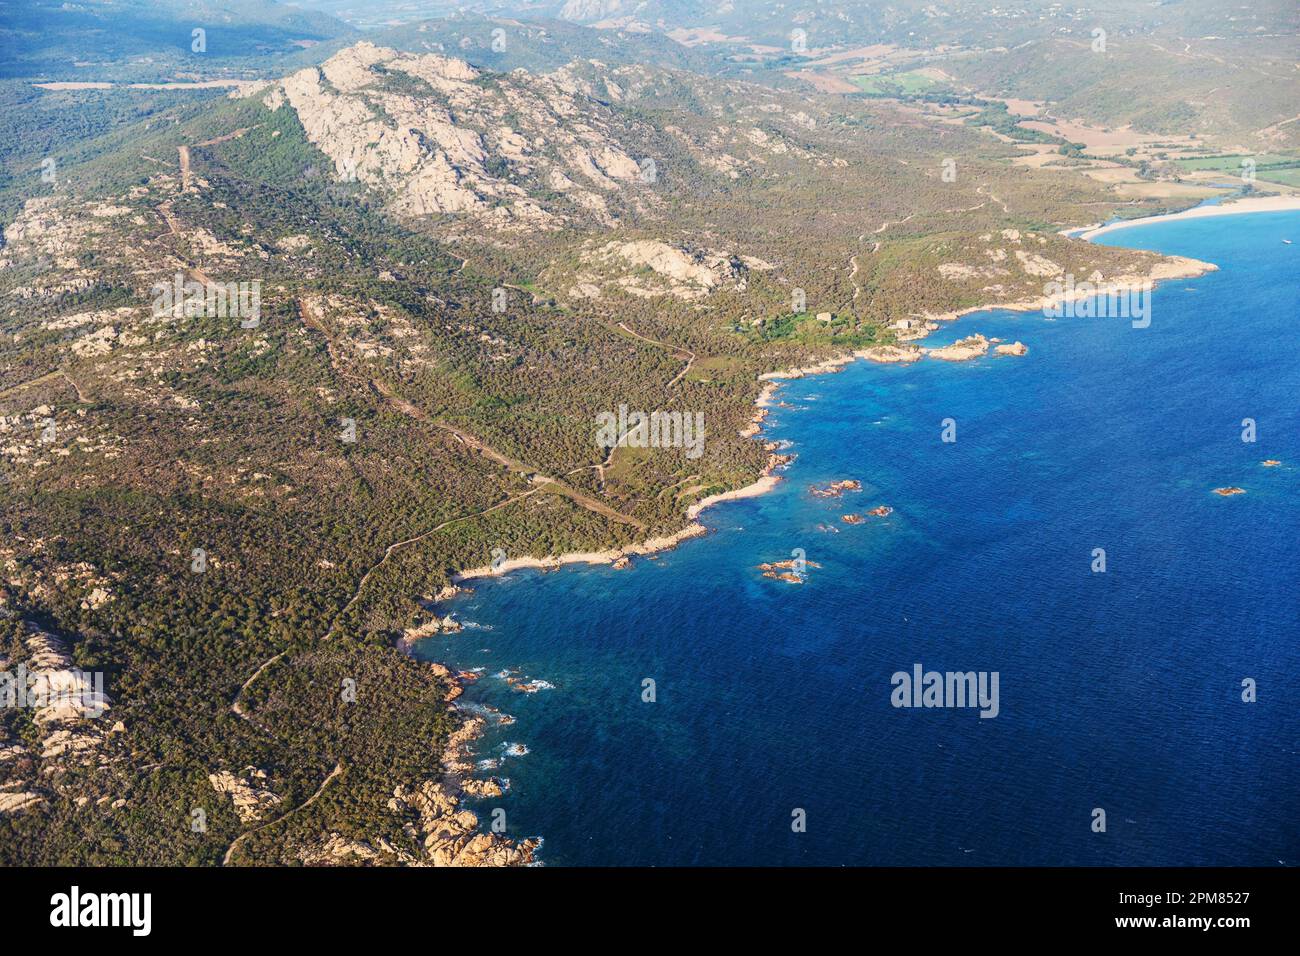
(1119, 691)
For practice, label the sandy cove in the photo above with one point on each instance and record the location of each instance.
(611, 556)
(764, 484)
(760, 487)
(1235, 207)
(619, 556)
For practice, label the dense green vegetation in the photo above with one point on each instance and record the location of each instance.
(896, 84)
(1000, 119)
(1267, 167)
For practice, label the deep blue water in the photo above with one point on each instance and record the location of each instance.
(1119, 691)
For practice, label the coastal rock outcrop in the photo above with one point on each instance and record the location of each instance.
(963, 350)
(890, 354)
(440, 831)
(836, 489)
(792, 571)
(435, 625)
(449, 834)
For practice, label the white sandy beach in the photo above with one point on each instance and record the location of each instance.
(1233, 208)
(650, 546)
(760, 487)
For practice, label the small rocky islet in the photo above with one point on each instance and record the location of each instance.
(836, 489)
(792, 571)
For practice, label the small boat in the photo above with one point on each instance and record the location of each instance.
(1287, 241)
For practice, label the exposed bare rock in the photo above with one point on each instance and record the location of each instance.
(450, 835)
(1036, 265)
(17, 802)
(67, 701)
(251, 799)
(435, 625)
(66, 706)
(49, 232)
(96, 599)
(890, 354)
(963, 350)
(482, 788)
(650, 267)
(440, 138)
(586, 11)
(673, 264)
(337, 850)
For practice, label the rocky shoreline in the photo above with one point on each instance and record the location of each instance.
(973, 346)
(448, 832)
(1175, 267)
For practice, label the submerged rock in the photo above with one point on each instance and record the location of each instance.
(837, 488)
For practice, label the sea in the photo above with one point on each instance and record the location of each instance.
(1144, 631)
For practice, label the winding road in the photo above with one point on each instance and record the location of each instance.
(225, 860)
